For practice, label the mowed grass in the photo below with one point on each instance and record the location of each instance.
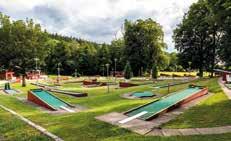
(13, 129)
(83, 126)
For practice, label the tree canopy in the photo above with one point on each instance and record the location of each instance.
(143, 44)
(198, 38)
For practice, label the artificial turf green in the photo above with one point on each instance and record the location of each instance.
(49, 98)
(156, 107)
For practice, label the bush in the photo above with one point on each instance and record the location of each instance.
(127, 71)
(154, 72)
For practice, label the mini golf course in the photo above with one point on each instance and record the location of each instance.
(153, 109)
(47, 100)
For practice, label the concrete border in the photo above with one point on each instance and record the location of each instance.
(224, 88)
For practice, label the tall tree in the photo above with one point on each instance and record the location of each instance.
(143, 44)
(116, 50)
(24, 41)
(128, 71)
(197, 38)
(222, 15)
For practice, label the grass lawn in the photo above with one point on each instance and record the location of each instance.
(13, 129)
(84, 127)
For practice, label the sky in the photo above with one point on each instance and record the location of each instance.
(97, 20)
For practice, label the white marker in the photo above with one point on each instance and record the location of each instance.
(133, 117)
(65, 108)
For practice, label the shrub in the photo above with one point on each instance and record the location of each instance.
(127, 71)
(154, 72)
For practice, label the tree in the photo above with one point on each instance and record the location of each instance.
(154, 72)
(143, 44)
(103, 56)
(127, 71)
(116, 51)
(221, 14)
(197, 38)
(23, 42)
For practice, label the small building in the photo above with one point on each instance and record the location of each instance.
(7, 75)
(31, 75)
(117, 73)
(226, 75)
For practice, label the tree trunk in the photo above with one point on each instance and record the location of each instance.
(23, 80)
(213, 53)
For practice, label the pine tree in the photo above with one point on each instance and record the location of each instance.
(154, 72)
(127, 71)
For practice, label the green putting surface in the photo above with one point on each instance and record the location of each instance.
(143, 94)
(156, 107)
(49, 99)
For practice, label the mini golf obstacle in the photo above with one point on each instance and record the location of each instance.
(139, 95)
(144, 94)
(43, 85)
(126, 84)
(48, 100)
(163, 105)
(7, 89)
(93, 83)
(71, 93)
(56, 90)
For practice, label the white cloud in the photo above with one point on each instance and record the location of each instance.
(97, 20)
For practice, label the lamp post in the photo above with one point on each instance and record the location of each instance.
(103, 69)
(58, 74)
(115, 68)
(75, 73)
(107, 65)
(189, 63)
(36, 68)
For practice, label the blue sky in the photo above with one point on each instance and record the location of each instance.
(97, 20)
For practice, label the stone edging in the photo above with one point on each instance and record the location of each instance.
(190, 131)
(224, 88)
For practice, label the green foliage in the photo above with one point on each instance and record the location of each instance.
(203, 37)
(221, 14)
(21, 43)
(127, 71)
(143, 44)
(116, 51)
(154, 71)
